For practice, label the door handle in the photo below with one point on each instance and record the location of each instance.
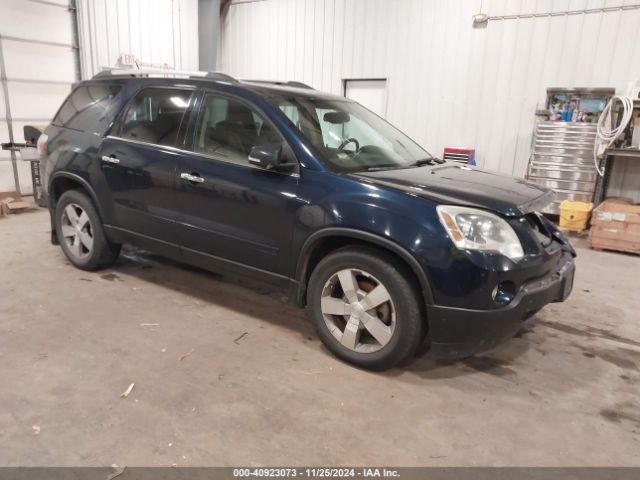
(111, 159)
(192, 178)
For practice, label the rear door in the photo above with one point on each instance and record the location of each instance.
(138, 166)
(235, 216)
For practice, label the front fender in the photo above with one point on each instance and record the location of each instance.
(314, 239)
(339, 206)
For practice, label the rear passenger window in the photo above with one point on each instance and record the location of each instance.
(85, 105)
(154, 116)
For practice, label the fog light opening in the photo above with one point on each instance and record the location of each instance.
(504, 292)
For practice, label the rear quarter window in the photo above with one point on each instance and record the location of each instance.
(154, 116)
(85, 106)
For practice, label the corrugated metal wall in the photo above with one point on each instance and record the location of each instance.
(449, 84)
(158, 32)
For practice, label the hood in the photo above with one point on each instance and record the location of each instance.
(460, 185)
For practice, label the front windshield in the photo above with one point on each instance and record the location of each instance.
(349, 137)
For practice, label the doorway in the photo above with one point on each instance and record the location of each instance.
(370, 92)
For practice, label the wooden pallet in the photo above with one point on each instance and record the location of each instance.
(602, 240)
(613, 248)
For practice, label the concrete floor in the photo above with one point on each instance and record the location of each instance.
(256, 387)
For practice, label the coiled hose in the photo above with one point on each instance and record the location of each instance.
(606, 137)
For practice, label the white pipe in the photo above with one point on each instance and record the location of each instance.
(606, 137)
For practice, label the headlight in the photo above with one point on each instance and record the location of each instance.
(472, 229)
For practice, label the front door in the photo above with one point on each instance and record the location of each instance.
(235, 216)
(138, 167)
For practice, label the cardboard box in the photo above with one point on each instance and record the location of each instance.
(615, 225)
(20, 205)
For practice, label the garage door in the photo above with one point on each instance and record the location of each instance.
(38, 64)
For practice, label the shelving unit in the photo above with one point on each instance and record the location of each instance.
(608, 163)
(622, 164)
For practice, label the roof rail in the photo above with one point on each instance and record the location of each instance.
(161, 72)
(290, 83)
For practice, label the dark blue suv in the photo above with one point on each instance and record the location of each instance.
(386, 246)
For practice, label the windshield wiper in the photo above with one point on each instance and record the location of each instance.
(427, 161)
(423, 161)
(385, 167)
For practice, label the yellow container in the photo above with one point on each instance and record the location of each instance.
(574, 215)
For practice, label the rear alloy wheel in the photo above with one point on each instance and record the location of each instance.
(365, 308)
(76, 231)
(80, 233)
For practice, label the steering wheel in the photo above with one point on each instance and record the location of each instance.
(347, 142)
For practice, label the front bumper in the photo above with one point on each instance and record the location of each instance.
(460, 332)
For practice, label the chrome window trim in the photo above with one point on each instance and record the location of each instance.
(190, 152)
(147, 144)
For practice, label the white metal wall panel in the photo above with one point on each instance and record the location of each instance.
(448, 84)
(158, 32)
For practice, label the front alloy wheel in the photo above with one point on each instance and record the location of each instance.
(358, 310)
(366, 307)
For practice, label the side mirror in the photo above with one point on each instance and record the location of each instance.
(269, 157)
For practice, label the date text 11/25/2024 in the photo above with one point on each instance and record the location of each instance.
(316, 472)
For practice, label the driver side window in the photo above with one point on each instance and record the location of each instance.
(229, 129)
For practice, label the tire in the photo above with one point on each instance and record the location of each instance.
(85, 244)
(377, 338)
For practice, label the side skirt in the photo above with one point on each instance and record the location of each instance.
(212, 263)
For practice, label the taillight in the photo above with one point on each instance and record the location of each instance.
(42, 143)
